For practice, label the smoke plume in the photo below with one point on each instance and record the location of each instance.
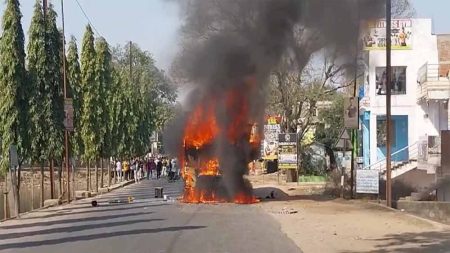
(228, 44)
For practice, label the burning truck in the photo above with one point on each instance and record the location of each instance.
(230, 51)
(204, 172)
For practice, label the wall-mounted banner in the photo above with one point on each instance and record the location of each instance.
(270, 143)
(68, 114)
(374, 34)
(351, 113)
(287, 154)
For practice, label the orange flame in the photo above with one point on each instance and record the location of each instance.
(202, 129)
(210, 168)
(243, 198)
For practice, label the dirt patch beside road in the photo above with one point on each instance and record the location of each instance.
(322, 224)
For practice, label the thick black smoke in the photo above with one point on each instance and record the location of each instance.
(227, 41)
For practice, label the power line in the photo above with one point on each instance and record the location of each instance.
(87, 18)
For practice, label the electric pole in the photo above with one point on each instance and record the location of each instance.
(388, 104)
(44, 7)
(354, 132)
(67, 105)
(131, 61)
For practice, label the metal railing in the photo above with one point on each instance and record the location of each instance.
(380, 165)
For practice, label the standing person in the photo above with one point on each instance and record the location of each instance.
(133, 169)
(125, 170)
(136, 171)
(159, 166)
(118, 171)
(148, 168)
(174, 168)
(164, 167)
(151, 167)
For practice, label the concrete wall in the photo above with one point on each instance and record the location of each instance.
(423, 50)
(438, 211)
(443, 43)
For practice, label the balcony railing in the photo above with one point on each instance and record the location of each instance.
(433, 81)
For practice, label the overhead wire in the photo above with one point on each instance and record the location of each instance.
(87, 18)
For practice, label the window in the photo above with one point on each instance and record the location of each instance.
(398, 81)
(382, 134)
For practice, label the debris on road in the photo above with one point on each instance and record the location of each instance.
(285, 210)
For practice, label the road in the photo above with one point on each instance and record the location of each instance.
(146, 225)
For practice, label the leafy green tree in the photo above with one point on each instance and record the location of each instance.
(149, 97)
(331, 125)
(104, 80)
(14, 92)
(117, 116)
(40, 103)
(54, 80)
(74, 80)
(91, 112)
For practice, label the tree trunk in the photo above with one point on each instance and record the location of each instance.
(19, 178)
(73, 178)
(330, 153)
(15, 193)
(32, 186)
(42, 185)
(52, 183)
(96, 175)
(109, 173)
(60, 182)
(102, 172)
(5, 199)
(88, 176)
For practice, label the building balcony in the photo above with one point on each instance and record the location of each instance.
(433, 82)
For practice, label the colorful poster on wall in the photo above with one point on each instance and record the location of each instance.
(270, 143)
(374, 34)
(287, 146)
(351, 113)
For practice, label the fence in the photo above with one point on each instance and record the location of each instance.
(30, 186)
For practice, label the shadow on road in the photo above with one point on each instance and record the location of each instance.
(96, 236)
(72, 229)
(97, 209)
(66, 221)
(276, 194)
(425, 242)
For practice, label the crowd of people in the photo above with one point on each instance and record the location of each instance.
(149, 167)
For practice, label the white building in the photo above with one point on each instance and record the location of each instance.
(413, 46)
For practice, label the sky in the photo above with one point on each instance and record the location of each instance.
(438, 10)
(154, 24)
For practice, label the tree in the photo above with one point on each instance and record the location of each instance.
(54, 80)
(402, 9)
(14, 96)
(40, 103)
(90, 112)
(330, 125)
(149, 97)
(74, 81)
(104, 79)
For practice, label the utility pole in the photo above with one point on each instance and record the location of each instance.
(131, 62)
(66, 131)
(388, 104)
(353, 131)
(45, 6)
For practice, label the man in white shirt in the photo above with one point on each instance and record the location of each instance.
(118, 171)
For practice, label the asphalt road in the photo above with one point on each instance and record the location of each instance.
(146, 225)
